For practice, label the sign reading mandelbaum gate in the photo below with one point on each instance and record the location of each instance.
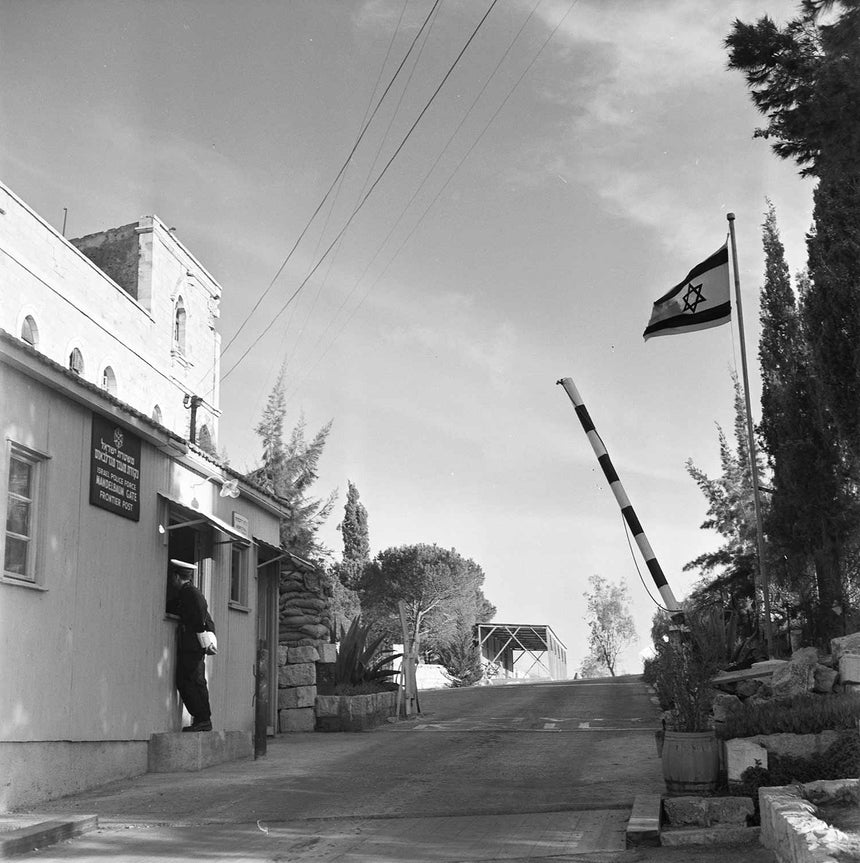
(115, 469)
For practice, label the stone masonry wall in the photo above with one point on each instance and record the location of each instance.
(304, 633)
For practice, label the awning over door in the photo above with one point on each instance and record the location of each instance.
(192, 517)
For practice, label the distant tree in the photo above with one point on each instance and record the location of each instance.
(288, 470)
(610, 625)
(593, 666)
(356, 539)
(461, 657)
(347, 573)
(441, 590)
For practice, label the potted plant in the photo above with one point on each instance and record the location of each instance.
(686, 659)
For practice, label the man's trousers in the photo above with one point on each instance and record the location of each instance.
(191, 683)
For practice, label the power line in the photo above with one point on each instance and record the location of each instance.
(369, 191)
(365, 182)
(420, 186)
(444, 186)
(333, 183)
(285, 362)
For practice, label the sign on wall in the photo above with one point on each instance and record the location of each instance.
(240, 522)
(115, 469)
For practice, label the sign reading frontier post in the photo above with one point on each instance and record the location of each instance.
(115, 469)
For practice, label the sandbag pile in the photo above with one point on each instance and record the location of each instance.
(304, 615)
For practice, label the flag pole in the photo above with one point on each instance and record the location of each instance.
(762, 565)
(621, 496)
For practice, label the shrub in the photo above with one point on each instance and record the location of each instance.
(681, 677)
(356, 664)
(462, 660)
(800, 714)
(840, 761)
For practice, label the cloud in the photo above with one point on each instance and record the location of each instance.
(648, 115)
(491, 350)
(384, 15)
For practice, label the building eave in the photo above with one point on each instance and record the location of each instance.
(25, 358)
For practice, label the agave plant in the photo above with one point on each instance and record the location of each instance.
(356, 662)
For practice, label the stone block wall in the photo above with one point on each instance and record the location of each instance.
(354, 712)
(791, 829)
(304, 633)
(297, 688)
(297, 684)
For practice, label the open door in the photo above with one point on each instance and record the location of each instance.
(268, 570)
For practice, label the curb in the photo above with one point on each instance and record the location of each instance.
(24, 839)
(681, 836)
(643, 827)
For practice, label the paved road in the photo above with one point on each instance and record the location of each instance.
(496, 773)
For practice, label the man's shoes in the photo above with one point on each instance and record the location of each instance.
(205, 725)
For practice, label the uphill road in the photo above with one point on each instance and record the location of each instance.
(528, 771)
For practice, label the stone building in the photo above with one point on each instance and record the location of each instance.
(109, 381)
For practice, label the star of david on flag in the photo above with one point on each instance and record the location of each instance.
(698, 302)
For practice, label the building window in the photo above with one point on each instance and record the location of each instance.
(109, 380)
(239, 575)
(76, 362)
(19, 559)
(156, 414)
(179, 317)
(29, 331)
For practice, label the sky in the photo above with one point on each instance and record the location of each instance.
(506, 220)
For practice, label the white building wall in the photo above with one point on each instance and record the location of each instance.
(87, 652)
(75, 305)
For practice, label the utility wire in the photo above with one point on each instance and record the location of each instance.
(343, 167)
(439, 193)
(365, 183)
(290, 354)
(420, 186)
(369, 191)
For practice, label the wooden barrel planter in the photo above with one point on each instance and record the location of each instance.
(691, 761)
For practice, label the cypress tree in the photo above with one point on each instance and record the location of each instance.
(805, 78)
(809, 518)
(356, 538)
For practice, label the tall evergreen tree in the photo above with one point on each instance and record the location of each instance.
(288, 470)
(810, 517)
(805, 77)
(346, 574)
(356, 539)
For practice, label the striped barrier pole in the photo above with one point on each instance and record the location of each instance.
(621, 496)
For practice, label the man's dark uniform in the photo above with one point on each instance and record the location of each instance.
(194, 617)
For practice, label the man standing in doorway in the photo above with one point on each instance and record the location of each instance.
(194, 619)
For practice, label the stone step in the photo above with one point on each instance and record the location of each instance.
(723, 835)
(643, 828)
(178, 752)
(35, 833)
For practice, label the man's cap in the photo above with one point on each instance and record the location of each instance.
(181, 564)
